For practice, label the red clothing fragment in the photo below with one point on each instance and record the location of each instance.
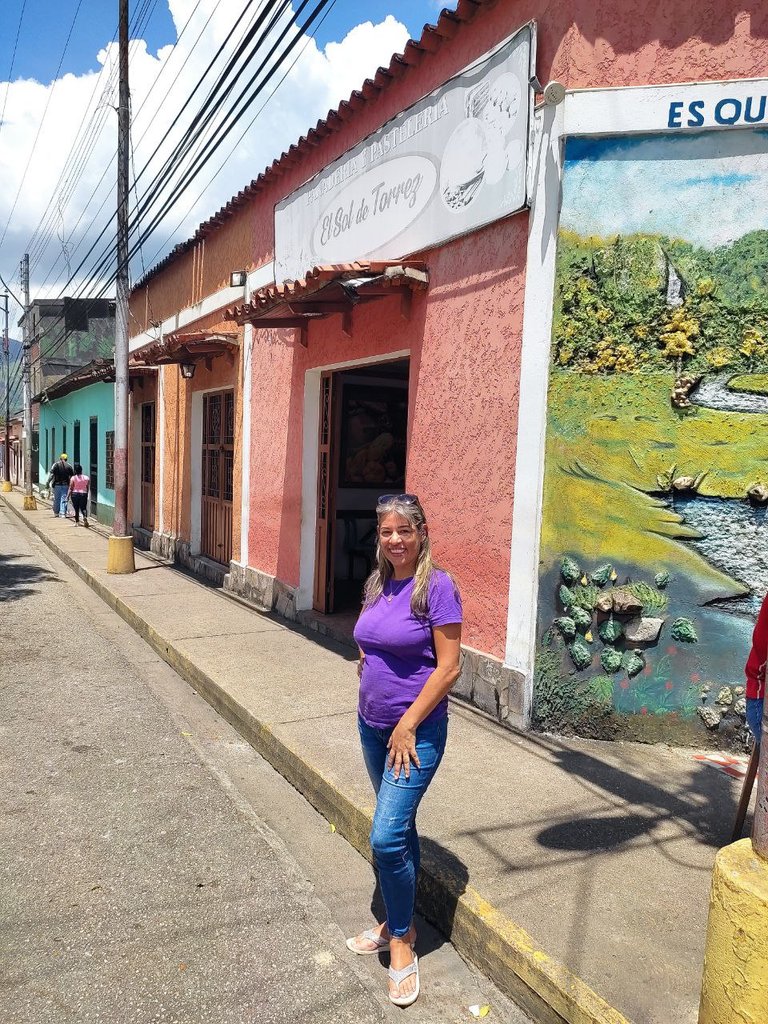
(755, 667)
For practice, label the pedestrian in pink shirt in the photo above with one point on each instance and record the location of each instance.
(78, 492)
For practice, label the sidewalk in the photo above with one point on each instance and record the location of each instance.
(574, 873)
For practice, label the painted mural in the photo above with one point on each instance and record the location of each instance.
(654, 545)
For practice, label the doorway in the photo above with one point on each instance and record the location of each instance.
(94, 466)
(148, 466)
(362, 453)
(217, 476)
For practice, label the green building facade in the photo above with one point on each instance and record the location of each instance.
(77, 416)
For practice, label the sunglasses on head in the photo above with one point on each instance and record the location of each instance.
(405, 499)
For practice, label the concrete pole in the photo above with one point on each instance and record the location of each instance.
(120, 549)
(735, 980)
(6, 486)
(29, 499)
(760, 826)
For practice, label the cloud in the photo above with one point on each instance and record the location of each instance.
(708, 188)
(160, 83)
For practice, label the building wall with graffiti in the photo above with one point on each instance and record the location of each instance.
(653, 549)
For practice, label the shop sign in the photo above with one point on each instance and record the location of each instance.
(450, 163)
(726, 111)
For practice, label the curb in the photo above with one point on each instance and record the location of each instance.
(507, 954)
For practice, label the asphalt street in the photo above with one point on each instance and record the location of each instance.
(154, 868)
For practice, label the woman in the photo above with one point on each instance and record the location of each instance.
(409, 635)
(78, 492)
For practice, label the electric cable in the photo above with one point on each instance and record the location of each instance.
(13, 61)
(138, 113)
(104, 263)
(82, 148)
(42, 120)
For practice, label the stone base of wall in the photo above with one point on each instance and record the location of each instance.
(267, 592)
(173, 549)
(486, 684)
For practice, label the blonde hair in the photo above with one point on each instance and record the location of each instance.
(411, 511)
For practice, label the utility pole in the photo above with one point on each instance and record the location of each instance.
(29, 499)
(120, 549)
(7, 353)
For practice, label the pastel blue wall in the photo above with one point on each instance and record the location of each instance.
(95, 400)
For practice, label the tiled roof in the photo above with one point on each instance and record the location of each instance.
(431, 39)
(358, 276)
(96, 372)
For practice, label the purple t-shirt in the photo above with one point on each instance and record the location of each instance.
(399, 649)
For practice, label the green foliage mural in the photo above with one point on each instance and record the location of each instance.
(654, 544)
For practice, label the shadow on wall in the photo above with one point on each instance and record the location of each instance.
(17, 578)
(666, 26)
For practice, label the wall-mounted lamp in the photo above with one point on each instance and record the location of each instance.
(237, 279)
(187, 370)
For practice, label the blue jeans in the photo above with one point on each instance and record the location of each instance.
(394, 840)
(755, 717)
(60, 492)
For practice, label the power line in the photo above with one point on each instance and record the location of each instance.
(42, 119)
(107, 259)
(138, 113)
(82, 149)
(13, 60)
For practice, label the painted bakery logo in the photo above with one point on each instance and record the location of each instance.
(450, 163)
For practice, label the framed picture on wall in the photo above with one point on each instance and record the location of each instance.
(374, 426)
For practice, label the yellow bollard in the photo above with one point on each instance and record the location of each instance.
(30, 505)
(7, 487)
(735, 984)
(120, 555)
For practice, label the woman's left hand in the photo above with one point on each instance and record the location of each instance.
(402, 750)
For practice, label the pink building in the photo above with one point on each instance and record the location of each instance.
(393, 330)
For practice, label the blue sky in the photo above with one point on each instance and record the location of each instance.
(708, 189)
(96, 24)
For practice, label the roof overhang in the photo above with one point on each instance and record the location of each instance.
(99, 371)
(329, 290)
(188, 347)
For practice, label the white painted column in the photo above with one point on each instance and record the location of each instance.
(160, 440)
(245, 442)
(309, 455)
(532, 409)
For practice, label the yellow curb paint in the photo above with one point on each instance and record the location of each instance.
(735, 985)
(543, 987)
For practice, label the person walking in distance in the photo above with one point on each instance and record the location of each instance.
(78, 492)
(409, 635)
(60, 475)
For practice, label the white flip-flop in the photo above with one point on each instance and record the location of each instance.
(399, 977)
(380, 945)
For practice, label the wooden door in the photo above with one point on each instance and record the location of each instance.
(326, 499)
(218, 466)
(148, 466)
